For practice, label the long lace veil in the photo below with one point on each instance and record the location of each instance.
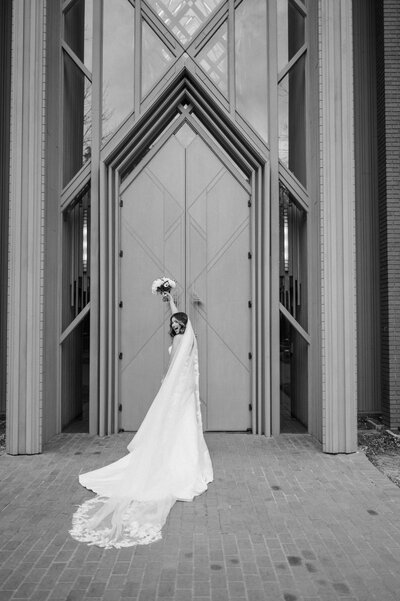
(168, 460)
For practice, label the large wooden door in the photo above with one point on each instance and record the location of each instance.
(186, 214)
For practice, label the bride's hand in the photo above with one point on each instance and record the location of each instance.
(166, 296)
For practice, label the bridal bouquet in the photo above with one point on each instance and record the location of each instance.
(162, 285)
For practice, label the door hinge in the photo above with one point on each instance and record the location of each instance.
(120, 355)
(121, 202)
(121, 304)
(120, 407)
(250, 355)
(121, 253)
(250, 407)
(250, 304)
(249, 255)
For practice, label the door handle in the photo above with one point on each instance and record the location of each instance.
(196, 299)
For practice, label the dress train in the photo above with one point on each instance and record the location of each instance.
(168, 460)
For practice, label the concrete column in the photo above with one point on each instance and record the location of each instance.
(338, 267)
(5, 92)
(26, 229)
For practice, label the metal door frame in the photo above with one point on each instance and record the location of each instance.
(184, 101)
(242, 180)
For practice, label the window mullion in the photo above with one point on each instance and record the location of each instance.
(67, 4)
(292, 62)
(162, 31)
(295, 187)
(96, 385)
(231, 57)
(300, 7)
(77, 61)
(295, 324)
(138, 57)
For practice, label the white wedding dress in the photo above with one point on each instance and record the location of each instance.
(168, 460)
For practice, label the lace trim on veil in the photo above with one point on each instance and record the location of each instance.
(117, 523)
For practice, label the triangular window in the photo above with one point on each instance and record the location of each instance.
(213, 59)
(156, 58)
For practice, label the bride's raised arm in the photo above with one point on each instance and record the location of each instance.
(167, 297)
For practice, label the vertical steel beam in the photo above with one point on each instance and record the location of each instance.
(271, 251)
(313, 225)
(137, 92)
(96, 423)
(231, 58)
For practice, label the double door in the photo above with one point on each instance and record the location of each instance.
(186, 214)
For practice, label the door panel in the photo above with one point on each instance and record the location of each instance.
(152, 232)
(219, 275)
(186, 215)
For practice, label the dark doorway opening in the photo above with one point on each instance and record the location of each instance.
(75, 409)
(291, 381)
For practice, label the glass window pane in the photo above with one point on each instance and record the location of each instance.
(76, 258)
(156, 58)
(75, 353)
(291, 32)
(293, 379)
(118, 64)
(292, 256)
(78, 30)
(184, 17)
(292, 125)
(77, 123)
(213, 59)
(251, 64)
(293, 295)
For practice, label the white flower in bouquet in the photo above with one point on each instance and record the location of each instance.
(162, 285)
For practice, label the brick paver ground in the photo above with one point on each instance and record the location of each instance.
(282, 522)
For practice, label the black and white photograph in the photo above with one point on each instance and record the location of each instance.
(200, 300)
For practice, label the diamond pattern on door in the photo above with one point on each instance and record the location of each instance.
(186, 215)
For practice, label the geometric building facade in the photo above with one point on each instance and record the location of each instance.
(246, 148)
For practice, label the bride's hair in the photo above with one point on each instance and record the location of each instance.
(180, 317)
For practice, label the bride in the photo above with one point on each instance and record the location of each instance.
(168, 459)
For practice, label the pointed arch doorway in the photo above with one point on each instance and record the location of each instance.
(185, 211)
